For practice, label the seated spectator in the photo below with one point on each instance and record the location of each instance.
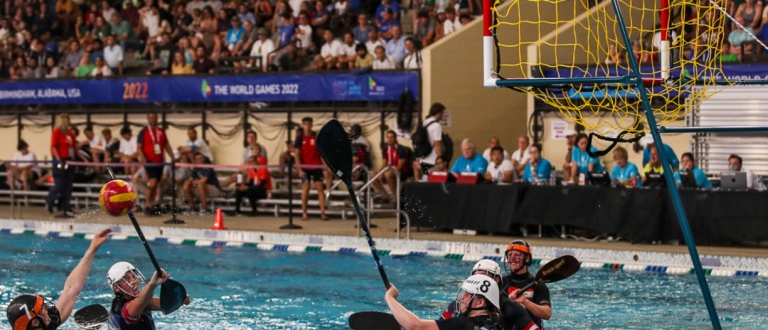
(203, 64)
(469, 161)
(196, 144)
(452, 23)
(113, 55)
(101, 29)
(263, 11)
(180, 65)
(537, 168)
(342, 16)
(396, 45)
(500, 170)
(347, 53)
(251, 183)
(386, 24)
(164, 59)
(44, 20)
(85, 68)
(250, 35)
(364, 59)
(330, 50)
(396, 156)
(73, 56)
(304, 35)
(51, 69)
(374, 40)
(412, 58)
(244, 15)
(111, 146)
(33, 71)
(234, 35)
(383, 61)
(252, 140)
(753, 181)
(613, 54)
(361, 148)
(95, 50)
(441, 165)
(362, 29)
(321, 19)
(25, 171)
(287, 29)
(465, 19)
(439, 25)
(625, 173)
(318, 63)
(182, 19)
(130, 14)
(128, 152)
(725, 53)
(647, 141)
(425, 29)
(390, 6)
(125, 35)
(653, 166)
(493, 142)
(39, 52)
(581, 161)
(740, 36)
(522, 155)
(94, 143)
(687, 165)
(67, 11)
(262, 48)
(150, 22)
(203, 184)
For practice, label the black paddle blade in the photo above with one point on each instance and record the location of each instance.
(558, 269)
(91, 317)
(172, 295)
(373, 321)
(335, 147)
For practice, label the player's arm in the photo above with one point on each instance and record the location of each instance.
(543, 312)
(404, 317)
(136, 306)
(76, 279)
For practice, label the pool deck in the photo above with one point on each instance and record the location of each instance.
(338, 227)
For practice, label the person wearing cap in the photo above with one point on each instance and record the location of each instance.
(519, 257)
(33, 312)
(570, 141)
(262, 48)
(440, 24)
(234, 34)
(647, 142)
(512, 312)
(476, 307)
(132, 308)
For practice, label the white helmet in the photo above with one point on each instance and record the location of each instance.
(489, 266)
(117, 273)
(483, 286)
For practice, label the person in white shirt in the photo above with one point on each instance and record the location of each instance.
(196, 143)
(304, 34)
(374, 40)
(452, 23)
(521, 156)
(129, 152)
(494, 142)
(500, 170)
(422, 166)
(26, 170)
(347, 55)
(412, 58)
(382, 61)
(753, 181)
(331, 49)
(263, 47)
(113, 55)
(251, 139)
(95, 146)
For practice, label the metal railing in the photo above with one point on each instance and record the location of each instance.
(369, 203)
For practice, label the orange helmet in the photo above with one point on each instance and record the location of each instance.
(522, 246)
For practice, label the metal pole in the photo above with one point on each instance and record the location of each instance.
(712, 129)
(289, 180)
(673, 192)
(173, 219)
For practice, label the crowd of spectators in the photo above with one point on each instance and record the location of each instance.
(81, 38)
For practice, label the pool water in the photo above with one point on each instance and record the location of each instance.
(244, 288)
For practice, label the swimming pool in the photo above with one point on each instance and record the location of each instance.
(245, 288)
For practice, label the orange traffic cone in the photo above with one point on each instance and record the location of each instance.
(218, 223)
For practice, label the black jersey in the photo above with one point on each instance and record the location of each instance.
(55, 316)
(513, 315)
(466, 323)
(119, 319)
(538, 294)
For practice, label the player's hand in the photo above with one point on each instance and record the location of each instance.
(518, 296)
(186, 300)
(392, 292)
(158, 279)
(100, 238)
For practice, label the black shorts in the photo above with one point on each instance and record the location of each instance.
(313, 175)
(154, 172)
(426, 167)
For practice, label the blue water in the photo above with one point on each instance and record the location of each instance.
(243, 288)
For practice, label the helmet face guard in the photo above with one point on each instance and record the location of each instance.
(118, 274)
(522, 246)
(26, 308)
(476, 286)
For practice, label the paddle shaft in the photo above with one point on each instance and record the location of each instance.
(363, 223)
(138, 231)
(525, 288)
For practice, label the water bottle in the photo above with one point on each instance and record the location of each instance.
(239, 178)
(552, 180)
(582, 179)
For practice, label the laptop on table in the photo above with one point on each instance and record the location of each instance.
(733, 180)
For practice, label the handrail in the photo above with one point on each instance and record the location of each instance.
(397, 209)
(339, 182)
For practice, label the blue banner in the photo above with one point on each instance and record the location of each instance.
(374, 86)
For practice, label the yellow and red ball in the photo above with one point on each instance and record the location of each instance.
(117, 197)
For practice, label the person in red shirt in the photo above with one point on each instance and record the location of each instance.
(307, 154)
(63, 149)
(151, 142)
(252, 183)
(396, 156)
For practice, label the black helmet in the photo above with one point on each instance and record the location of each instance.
(23, 309)
(521, 246)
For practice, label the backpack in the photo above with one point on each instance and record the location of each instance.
(422, 147)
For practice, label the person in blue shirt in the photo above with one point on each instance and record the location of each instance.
(581, 161)
(537, 167)
(234, 34)
(285, 34)
(674, 163)
(469, 161)
(625, 173)
(686, 163)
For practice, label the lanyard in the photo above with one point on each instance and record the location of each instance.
(152, 134)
